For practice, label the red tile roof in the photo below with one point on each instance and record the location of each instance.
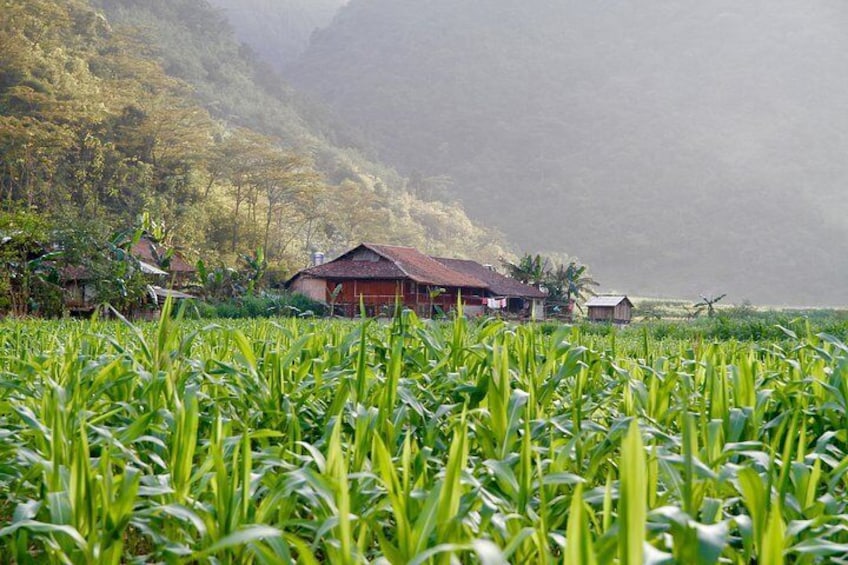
(343, 268)
(398, 263)
(423, 268)
(498, 284)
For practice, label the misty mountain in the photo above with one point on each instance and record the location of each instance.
(676, 147)
(110, 109)
(284, 26)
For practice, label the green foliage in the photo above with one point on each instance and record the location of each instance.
(530, 269)
(147, 111)
(768, 326)
(415, 442)
(263, 305)
(567, 285)
(709, 303)
(28, 277)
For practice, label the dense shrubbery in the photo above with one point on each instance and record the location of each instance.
(773, 325)
(261, 306)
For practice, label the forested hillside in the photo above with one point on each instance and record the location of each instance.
(676, 147)
(284, 26)
(112, 109)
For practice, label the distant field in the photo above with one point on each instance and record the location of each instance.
(421, 442)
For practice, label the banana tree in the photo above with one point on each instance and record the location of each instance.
(530, 269)
(569, 285)
(709, 303)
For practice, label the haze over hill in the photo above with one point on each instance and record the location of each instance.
(283, 26)
(676, 147)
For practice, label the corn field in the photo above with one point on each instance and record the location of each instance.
(314, 441)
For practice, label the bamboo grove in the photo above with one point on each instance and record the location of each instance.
(413, 441)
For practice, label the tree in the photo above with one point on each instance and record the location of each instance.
(434, 292)
(334, 295)
(254, 269)
(709, 303)
(568, 285)
(530, 269)
(286, 178)
(25, 266)
(113, 273)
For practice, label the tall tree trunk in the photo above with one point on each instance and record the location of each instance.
(236, 217)
(268, 217)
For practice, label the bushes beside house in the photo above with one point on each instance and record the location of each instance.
(263, 305)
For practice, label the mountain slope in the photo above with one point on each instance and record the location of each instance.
(366, 201)
(675, 147)
(283, 25)
(109, 110)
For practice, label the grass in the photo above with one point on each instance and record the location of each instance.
(309, 440)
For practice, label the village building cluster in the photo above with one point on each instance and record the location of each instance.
(375, 277)
(370, 278)
(80, 294)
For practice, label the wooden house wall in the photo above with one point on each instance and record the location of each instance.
(379, 296)
(600, 313)
(622, 312)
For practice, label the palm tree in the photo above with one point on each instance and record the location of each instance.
(569, 285)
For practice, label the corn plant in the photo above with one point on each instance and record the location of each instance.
(417, 441)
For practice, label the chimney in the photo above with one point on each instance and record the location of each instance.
(317, 258)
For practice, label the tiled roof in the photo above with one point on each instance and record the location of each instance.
(609, 301)
(342, 268)
(498, 284)
(400, 263)
(424, 269)
(149, 252)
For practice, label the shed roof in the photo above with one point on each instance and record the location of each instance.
(498, 284)
(149, 269)
(161, 292)
(608, 301)
(80, 273)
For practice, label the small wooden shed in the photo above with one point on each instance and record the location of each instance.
(614, 309)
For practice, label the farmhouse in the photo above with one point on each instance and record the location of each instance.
(521, 299)
(149, 253)
(615, 309)
(379, 274)
(78, 285)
